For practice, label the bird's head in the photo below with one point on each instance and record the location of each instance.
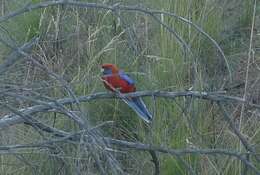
(108, 69)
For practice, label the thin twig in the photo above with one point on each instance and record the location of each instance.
(16, 55)
(241, 137)
(247, 75)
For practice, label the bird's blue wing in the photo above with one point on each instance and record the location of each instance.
(125, 77)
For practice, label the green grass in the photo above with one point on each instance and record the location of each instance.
(91, 37)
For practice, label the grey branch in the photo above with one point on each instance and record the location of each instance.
(241, 137)
(13, 119)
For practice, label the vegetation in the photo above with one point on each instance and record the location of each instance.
(207, 124)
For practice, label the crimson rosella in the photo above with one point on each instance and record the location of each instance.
(117, 80)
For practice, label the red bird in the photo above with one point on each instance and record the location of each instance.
(117, 80)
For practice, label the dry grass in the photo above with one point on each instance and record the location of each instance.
(75, 41)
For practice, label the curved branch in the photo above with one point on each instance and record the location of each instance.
(156, 162)
(16, 55)
(117, 7)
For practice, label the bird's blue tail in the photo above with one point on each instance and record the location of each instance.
(137, 104)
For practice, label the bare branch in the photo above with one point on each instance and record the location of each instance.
(10, 148)
(12, 119)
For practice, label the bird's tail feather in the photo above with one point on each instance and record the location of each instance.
(137, 104)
